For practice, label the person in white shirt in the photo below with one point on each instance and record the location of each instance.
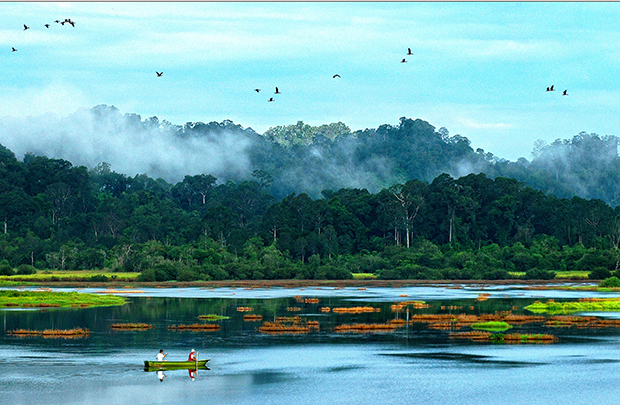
(161, 355)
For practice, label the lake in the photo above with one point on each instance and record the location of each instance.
(409, 364)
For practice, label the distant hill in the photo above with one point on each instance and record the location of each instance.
(300, 158)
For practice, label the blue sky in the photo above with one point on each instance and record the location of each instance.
(478, 69)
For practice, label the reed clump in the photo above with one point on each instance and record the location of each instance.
(365, 328)
(131, 326)
(355, 310)
(52, 333)
(282, 328)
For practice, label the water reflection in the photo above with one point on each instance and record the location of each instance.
(399, 362)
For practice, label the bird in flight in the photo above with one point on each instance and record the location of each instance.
(335, 76)
(565, 93)
(277, 91)
(14, 50)
(26, 27)
(550, 88)
(47, 25)
(270, 99)
(159, 73)
(403, 61)
(257, 90)
(409, 51)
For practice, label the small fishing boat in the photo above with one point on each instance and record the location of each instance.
(163, 365)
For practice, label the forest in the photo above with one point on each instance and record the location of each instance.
(289, 219)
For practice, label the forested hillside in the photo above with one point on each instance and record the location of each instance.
(56, 215)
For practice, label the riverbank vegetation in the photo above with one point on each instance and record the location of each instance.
(45, 299)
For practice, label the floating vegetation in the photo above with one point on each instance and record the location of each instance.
(492, 326)
(52, 333)
(293, 309)
(131, 326)
(445, 325)
(46, 299)
(355, 310)
(282, 328)
(325, 309)
(473, 335)
(588, 304)
(483, 297)
(252, 318)
(245, 309)
(365, 328)
(299, 298)
(213, 317)
(504, 338)
(290, 319)
(196, 327)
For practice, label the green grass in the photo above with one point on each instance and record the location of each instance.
(26, 299)
(68, 275)
(558, 274)
(363, 276)
(493, 326)
(552, 307)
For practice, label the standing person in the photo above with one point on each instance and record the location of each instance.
(160, 356)
(192, 356)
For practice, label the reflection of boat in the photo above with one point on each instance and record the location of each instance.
(174, 365)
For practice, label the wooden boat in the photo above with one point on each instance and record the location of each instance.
(163, 365)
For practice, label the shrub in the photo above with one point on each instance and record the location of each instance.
(99, 278)
(599, 273)
(539, 274)
(611, 282)
(25, 269)
(6, 270)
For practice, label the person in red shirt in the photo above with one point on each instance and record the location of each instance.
(192, 356)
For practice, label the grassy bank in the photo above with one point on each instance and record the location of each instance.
(66, 275)
(46, 299)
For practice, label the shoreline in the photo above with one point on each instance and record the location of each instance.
(307, 283)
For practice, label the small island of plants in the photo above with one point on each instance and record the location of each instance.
(42, 299)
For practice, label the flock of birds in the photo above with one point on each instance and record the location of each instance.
(66, 21)
(271, 99)
(552, 89)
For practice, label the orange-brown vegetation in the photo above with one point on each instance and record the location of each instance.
(283, 328)
(355, 310)
(252, 318)
(52, 333)
(325, 309)
(473, 335)
(365, 328)
(131, 326)
(483, 297)
(245, 309)
(293, 309)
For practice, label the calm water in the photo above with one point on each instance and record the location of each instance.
(413, 365)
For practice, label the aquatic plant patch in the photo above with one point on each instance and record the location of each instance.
(492, 326)
(46, 299)
(553, 307)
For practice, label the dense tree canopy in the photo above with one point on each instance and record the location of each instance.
(56, 215)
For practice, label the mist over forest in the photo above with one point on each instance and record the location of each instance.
(300, 158)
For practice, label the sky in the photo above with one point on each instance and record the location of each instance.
(478, 69)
